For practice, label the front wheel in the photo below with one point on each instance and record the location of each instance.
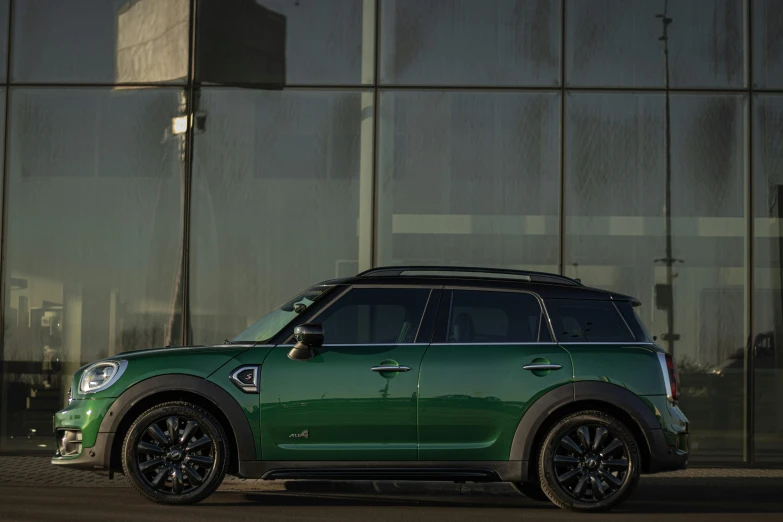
(175, 453)
(589, 462)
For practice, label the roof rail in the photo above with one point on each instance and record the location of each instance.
(470, 271)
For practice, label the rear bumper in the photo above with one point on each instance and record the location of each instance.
(664, 457)
(670, 445)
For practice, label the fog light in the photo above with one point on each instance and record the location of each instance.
(69, 442)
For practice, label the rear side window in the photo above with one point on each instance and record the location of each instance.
(493, 317)
(586, 321)
(634, 321)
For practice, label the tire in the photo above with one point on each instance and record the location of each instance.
(181, 471)
(531, 490)
(589, 461)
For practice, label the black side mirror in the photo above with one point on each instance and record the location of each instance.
(308, 336)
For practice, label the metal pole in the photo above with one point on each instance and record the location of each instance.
(667, 181)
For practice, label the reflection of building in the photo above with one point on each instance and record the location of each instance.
(332, 137)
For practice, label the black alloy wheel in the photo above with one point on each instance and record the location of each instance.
(590, 462)
(175, 453)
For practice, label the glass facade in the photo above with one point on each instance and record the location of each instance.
(173, 169)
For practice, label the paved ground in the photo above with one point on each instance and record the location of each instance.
(31, 489)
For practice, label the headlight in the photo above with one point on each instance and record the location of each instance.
(101, 375)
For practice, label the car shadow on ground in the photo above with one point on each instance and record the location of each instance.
(669, 496)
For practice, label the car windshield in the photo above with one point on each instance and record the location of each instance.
(271, 324)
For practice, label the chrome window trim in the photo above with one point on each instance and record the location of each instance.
(541, 305)
(614, 343)
(288, 345)
(423, 313)
(519, 343)
(666, 381)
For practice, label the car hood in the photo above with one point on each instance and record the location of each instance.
(235, 349)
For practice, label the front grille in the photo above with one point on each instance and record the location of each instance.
(69, 442)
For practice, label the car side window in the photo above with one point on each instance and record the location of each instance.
(493, 317)
(582, 320)
(374, 316)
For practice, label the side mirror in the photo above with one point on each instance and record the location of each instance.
(308, 336)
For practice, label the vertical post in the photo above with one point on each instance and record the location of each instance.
(4, 299)
(667, 182)
(366, 224)
(561, 226)
(750, 353)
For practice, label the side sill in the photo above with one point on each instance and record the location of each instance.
(469, 471)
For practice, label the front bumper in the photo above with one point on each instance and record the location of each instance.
(96, 458)
(85, 416)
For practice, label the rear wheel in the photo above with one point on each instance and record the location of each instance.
(175, 453)
(589, 462)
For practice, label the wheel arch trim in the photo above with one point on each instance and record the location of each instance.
(555, 400)
(209, 391)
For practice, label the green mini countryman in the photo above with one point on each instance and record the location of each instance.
(398, 373)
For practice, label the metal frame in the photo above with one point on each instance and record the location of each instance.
(191, 86)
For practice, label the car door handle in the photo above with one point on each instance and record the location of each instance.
(390, 369)
(542, 367)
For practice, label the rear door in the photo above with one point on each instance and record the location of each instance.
(474, 385)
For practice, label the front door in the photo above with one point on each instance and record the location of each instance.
(356, 399)
(483, 373)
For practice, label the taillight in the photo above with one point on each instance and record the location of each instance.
(674, 378)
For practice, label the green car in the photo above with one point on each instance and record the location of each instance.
(399, 373)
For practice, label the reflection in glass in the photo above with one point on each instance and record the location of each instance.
(469, 178)
(614, 43)
(707, 43)
(101, 41)
(768, 276)
(466, 42)
(93, 240)
(4, 9)
(286, 41)
(767, 31)
(275, 205)
(615, 161)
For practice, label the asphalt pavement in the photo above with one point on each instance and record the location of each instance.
(714, 495)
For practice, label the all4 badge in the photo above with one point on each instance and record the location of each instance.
(304, 435)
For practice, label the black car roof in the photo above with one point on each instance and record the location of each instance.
(551, 286)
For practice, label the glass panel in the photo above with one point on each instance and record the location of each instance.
(275, 200)
(469, 178)
(4, 8)
(767, 34)
(707, 41)
(616, 43)
(94, 234)
(768, 276)
(101, 41)
(465, 42)
(615, 188)
(579, 321)
(375, 316)
(493, 317)
(286, 41)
